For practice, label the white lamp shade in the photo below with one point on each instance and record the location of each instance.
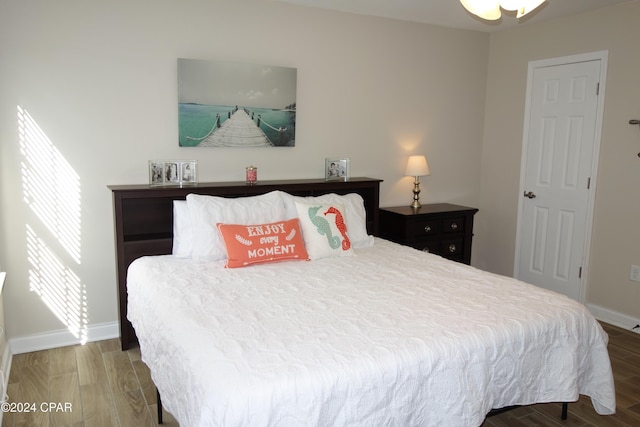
(485, 9)
(417, 166)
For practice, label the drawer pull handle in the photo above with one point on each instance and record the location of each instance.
(454, 226)
(452, 248)
(427, 228)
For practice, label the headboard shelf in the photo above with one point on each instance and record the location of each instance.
(143, 217)
(240, 187)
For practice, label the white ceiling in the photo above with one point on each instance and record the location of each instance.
(450, 13)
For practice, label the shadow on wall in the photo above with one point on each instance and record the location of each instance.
(51, 189)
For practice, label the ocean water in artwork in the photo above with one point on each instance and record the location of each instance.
(198, 123)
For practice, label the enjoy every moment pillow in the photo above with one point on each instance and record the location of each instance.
(324, 230)
(255, 244)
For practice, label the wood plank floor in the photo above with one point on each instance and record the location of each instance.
(104, 386)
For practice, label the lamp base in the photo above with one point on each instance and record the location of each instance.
(416, 194)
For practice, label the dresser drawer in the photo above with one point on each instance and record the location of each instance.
(453, 225)
(452, 248)
(424, 227)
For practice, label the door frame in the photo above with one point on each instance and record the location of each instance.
(602, 56)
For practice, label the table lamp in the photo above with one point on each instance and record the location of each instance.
(417, 166)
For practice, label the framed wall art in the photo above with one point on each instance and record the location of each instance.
(228, 104)
(173, 172)
(336, 169)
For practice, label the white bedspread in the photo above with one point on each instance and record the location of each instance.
(391, 336)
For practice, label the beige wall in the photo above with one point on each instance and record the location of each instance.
(616, 232)
(99, 80)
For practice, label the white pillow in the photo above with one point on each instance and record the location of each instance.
(324, 230)
(207, 211)
(356, 216)
(182, 230)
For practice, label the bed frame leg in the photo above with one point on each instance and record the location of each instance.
(160, 406)
(565, 408)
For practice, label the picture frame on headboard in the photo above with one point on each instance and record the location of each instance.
(173, 172)
(336, 169)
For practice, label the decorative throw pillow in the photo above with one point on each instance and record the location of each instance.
(324, 230)
(207, 211)
(255, 244)
(355, 215)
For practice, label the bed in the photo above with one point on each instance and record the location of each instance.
(373, 334)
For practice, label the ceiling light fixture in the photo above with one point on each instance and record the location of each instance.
(490, 9)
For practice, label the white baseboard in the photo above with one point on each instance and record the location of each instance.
(614, 318)
(62, 338)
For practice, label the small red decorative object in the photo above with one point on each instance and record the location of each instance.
(252, 174)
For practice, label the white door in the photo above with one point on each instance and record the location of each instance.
(564, 116)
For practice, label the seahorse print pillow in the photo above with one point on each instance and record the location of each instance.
(324, 230)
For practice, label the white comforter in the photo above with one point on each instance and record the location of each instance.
(390, 336)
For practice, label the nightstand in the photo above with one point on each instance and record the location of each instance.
(441, 228)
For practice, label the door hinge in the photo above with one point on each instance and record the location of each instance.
(580, 273)
(588, 183)
(598, 88)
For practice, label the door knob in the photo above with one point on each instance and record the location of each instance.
(529, 194)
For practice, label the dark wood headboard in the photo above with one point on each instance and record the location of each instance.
(143, 218)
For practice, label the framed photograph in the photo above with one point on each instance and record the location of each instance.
(235, 104)
(188, 171)
(336, 169)
(173, 172)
